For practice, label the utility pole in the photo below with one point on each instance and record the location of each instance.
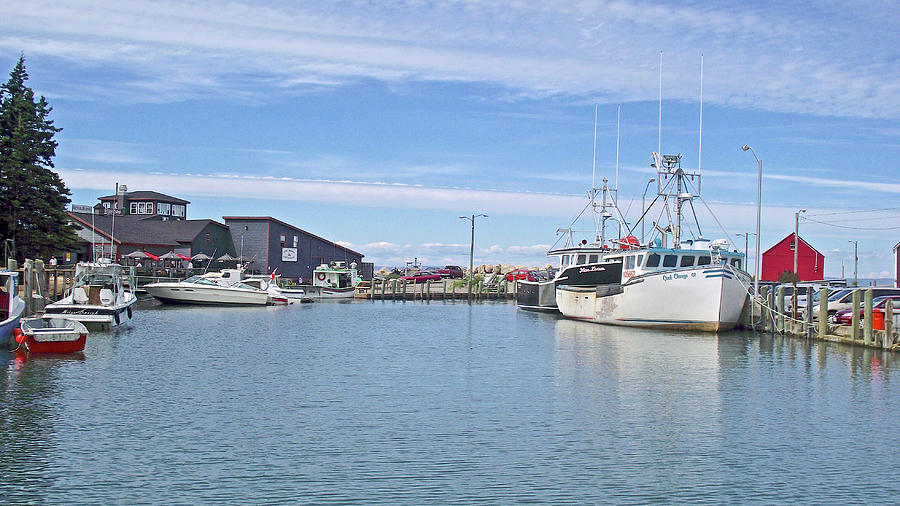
(472, 249)
(855, 261)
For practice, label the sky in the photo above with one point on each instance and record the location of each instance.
(378, 124)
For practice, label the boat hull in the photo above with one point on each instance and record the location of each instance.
(177, 293)
(11, 322)
(93, 314)
(706, 298)
(536, 296)
(53, 335)
(324, 292)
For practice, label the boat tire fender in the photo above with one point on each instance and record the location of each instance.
(130, 312)
(116, 317)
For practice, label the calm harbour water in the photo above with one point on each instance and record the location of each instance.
(393, 402)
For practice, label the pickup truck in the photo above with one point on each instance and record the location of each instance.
(451, 271)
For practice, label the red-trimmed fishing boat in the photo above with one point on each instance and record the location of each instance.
(53, 335)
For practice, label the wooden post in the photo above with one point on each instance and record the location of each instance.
(426, 290)
(28, 286)
(823, 312)
(779, 306)
(40, 282)
(403, 288)
(888, 325)
(867, 320)
(808, 317)
(854, 322)
(393, 289)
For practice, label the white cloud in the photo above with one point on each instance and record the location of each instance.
(768, 56)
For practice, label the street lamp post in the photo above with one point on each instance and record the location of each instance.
(746, 237)
(746, 147)
(643, 208)
(855, 261)
(797, 238)
(472, 249)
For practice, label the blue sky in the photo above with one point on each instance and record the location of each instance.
(377, 124)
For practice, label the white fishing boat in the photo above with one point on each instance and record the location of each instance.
(694, 285)
(98, 295)
(205, 290)
(11, 306)
(333, 281)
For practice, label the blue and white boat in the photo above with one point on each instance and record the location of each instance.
(694, 285)
(11, 306)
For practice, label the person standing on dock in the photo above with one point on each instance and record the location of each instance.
(53, 262)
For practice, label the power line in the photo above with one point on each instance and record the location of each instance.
(849, 227)
(857, 211)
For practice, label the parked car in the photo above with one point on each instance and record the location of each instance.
(845, 300)
(422, 276)
(845, 316)
(451, 271)
(517, 274)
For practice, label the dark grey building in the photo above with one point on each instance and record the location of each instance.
(270, 243)
(146, 204)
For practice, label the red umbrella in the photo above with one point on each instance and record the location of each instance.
(182, 256)
(152, 256)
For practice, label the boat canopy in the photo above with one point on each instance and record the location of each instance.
(107, 275)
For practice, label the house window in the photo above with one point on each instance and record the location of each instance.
(281, 239)
(142, 208)
(178, 210)
(134, 208)
(295, 241)
(164, 209)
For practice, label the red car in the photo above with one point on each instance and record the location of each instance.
(422, 276)
(451, 271)
(517, 274)
(845, 316)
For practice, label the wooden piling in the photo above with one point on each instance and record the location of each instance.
(854, 322)
(28, 286)
(867, 320)
(779, 305)
(823, 311)
(888, 340)
(393, 289)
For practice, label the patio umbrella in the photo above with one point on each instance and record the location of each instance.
(225, 257)
(136, 254)
(200, 256)
(169, 256)
(179, 255)
(151, 256)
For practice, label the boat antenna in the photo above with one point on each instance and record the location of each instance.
(618, 123)
(659, 124)
(211, 259)
(93, 243)
(112, 234)
(700, 146)
(594, 158)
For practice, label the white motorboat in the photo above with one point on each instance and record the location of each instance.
(333, 281)
(11, 306)
(204, 290)
(98, 295)
(278, 294)
(695, 285)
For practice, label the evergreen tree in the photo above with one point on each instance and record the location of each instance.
(33, 198)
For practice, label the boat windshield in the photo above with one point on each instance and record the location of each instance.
(106, 276)
(245, 286)
(198, 280)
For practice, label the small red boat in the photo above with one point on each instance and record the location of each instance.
(52, 335)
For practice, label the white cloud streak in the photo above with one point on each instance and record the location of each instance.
(769, 56)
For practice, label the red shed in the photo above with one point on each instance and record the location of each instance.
(780, 258)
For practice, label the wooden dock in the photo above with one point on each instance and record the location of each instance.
(398, 289)
(767, 313)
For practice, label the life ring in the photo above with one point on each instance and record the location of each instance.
(320, 276)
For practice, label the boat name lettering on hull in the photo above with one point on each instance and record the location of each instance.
(670, 277)
(593, 268)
